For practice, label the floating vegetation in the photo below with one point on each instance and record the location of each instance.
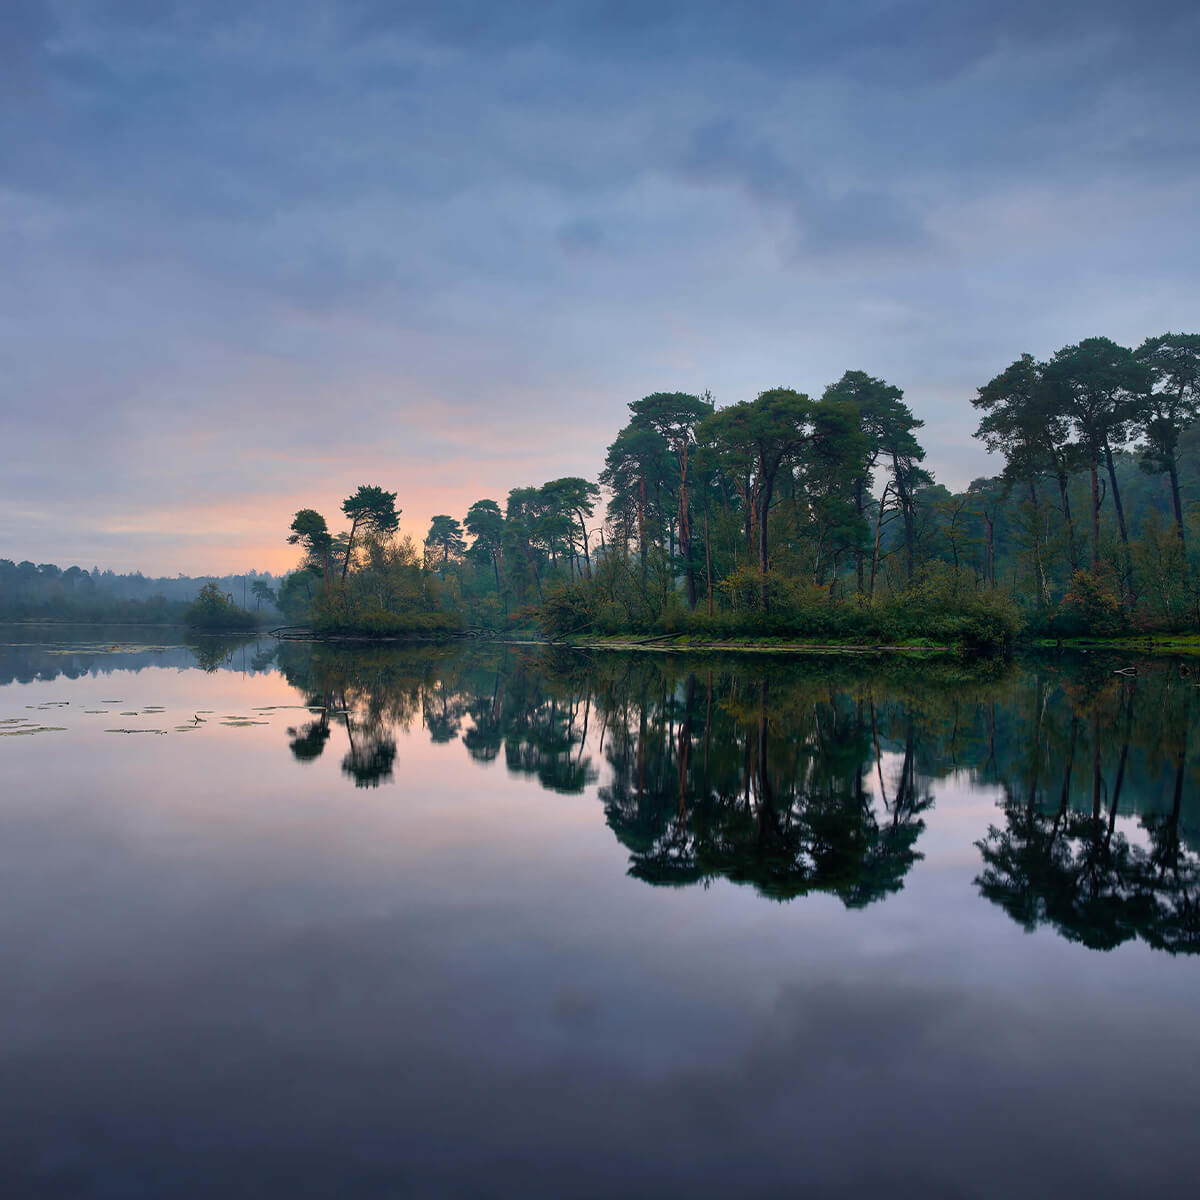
(281, 707)
(153, 708)
(97, 711)
(243, 721)
(112, 701)
(108, 648)
(135, 731)
(14, 721)
(133, 712)
(33, 729)
(186, 728)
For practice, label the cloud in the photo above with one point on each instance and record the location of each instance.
(302, 226)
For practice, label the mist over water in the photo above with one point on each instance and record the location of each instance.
(296, 919)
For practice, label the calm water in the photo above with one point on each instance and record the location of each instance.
(296, 921)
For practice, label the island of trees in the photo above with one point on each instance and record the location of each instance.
(816, 519)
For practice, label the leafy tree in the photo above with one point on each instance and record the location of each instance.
(830, 473)
(213, 609)
(485, 523)
(635, 469)
(374, 511)
(445, 534)
(1097, 385)
(764, 433)
(1172, 404)
(523, 528)
(310, 531)
(870, 400)
(1022, 419)
(262, 591)
(674, 416)
(893, 427)
(576, 498)
(295, 596)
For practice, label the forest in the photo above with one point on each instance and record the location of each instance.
(789, 517)
(44, 591)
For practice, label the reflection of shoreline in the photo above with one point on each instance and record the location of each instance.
(45, 661)
(792, 775)
(34, 623)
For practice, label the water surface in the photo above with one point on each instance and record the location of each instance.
(303, 921)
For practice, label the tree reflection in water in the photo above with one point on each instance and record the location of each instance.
(738, 777)
(762, 773)
(798, 775)
(1059, 859)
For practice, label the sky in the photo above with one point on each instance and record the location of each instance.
(254, 253)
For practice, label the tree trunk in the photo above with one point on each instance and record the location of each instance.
(905, 501)
(765, 503)
(708, 556)
(642, 529)
(1065, 494)
(1176, 501)
(909, 538)
(1094, 469)
(349, 549)
(878, 532)
(1039, 565)
(860, 504)
(685, 531)
(1130, 595)
(1116, 490)
(587, 557)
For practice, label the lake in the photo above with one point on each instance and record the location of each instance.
(300, 920)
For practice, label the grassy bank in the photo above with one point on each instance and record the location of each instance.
(915, 647)
(1164, 643)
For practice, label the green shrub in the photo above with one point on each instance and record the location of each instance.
(565, 610)
(1089, 609)
(212, 609)
(379, 623)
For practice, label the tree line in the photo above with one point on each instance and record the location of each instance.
(45, 591)
(788, 515)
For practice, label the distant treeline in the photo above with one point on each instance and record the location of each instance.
(794, 517)
(48, 592)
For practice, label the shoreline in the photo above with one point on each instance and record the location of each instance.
(1185, 644)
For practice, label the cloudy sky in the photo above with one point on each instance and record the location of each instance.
(257, 253)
